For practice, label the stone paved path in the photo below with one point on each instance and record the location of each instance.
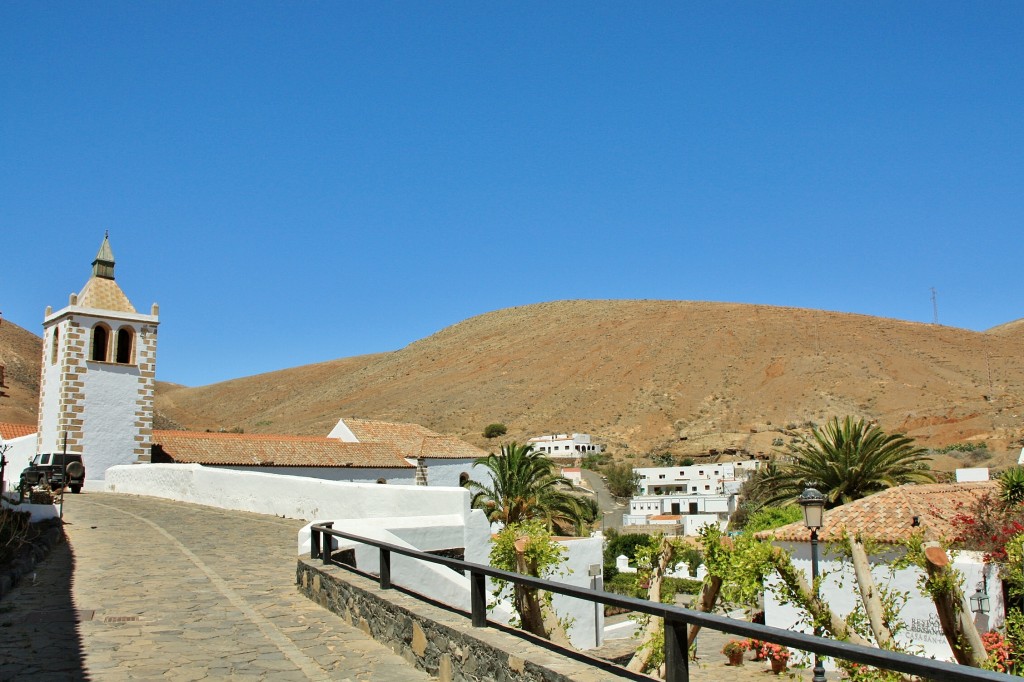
(172, 591)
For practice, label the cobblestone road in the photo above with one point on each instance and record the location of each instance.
(152, 589)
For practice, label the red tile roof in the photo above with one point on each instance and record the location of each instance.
(666, 517)
(888, 516)
(9, 431)
(412, 440)
(242, 449)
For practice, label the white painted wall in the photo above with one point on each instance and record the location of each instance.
(37, 512)
(587, 621)
(693, 523)
(346, 474)
(650, 505)
(293, 497)
(49, 402)
(19, 454)
(109, 415)
(975, 474)
(440, 473)
(695, 478)
(839, 588)
(446, 472)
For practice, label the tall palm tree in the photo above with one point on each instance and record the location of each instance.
(524, 485)
(846, 461)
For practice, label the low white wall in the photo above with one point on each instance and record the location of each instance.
(586, 629)
(294, 497)
(19, 454)
(393, 476)
(923, 634)
(37, 512)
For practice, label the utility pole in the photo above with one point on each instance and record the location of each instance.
(935, 308)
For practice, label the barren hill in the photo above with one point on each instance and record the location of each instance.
(641, 375)
(20, 355)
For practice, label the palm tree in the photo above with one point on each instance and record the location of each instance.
(524, 486)
(846, 461)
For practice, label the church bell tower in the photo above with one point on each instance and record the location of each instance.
(98, 374)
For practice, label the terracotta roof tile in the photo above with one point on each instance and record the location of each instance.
(241, 449)
(412, 440)
(888, 516)
(8, 431)
(666, 517)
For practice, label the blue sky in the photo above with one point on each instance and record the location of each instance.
(297, 182)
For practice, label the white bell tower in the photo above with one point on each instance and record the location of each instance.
(98, 376)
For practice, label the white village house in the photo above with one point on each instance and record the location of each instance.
(565, 446)
(688, 497)
(890, 518)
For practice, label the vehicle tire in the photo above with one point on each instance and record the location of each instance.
(76, 489)
(75, 470)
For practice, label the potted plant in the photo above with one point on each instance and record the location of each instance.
(734, 650)
(777, 654)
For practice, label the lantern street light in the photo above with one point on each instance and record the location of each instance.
(980, 599)
(813, 503)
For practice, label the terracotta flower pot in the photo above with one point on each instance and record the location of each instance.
(736, 658)
(778, 665)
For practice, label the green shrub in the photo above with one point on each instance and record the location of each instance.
(767, 518)
(495, 430)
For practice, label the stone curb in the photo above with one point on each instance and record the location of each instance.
(29, 556)
(442, 642)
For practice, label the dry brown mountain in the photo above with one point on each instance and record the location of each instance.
(20, 355)
(648, 375)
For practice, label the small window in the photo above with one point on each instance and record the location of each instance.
(694, 489)
(100, 343)
(44, 459)
(56, 345)
(125, 349)
(661, 475)
(701, 472)
(707, 487)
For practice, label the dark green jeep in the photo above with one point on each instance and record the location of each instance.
(54, 471)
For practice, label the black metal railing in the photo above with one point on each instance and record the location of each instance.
(677, 619)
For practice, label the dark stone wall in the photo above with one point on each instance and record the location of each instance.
(441, 641)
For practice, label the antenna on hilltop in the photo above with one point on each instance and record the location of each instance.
(935, 308)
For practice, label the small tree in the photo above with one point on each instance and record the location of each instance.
(622, 480)
(495, 430)
(528, 548)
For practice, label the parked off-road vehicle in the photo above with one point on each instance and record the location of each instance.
(54, 471)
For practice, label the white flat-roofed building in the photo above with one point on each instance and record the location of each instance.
(703, 479)
(690, 510)
(572, 446)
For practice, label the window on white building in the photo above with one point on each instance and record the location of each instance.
(100, 343)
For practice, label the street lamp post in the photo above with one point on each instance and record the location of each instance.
(813, 503)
